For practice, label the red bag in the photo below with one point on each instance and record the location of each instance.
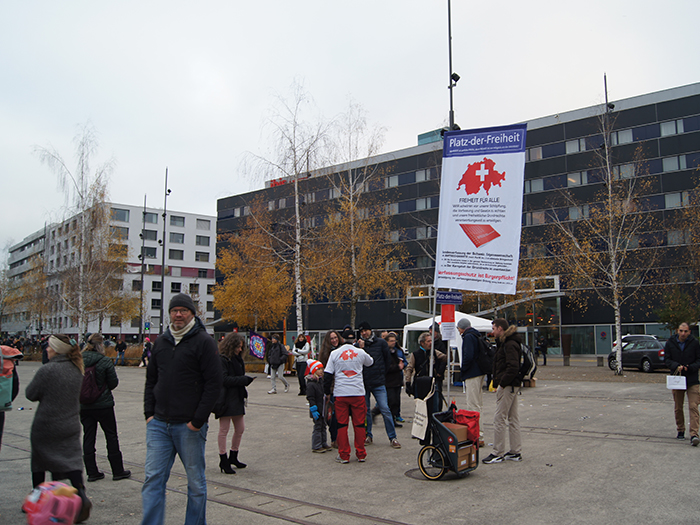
(469, 419)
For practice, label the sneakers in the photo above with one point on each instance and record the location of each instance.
(319, 450)
(338, 459)
(517, 457)
(681, 435)
(361, 460)
(326, 447)
(492, 458)
(395, 443)
(334, 444)
(273, 391)
(286, 388)
(694, 441)
(397, 424)
(400, 419)
(368, 440)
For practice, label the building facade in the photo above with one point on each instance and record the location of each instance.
(190, 257)
(561, 151)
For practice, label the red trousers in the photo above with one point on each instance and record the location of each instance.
(355, 407)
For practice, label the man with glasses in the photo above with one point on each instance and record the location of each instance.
(682, 357)
(183, 381)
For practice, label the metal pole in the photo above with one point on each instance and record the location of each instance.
(162, 266)
(143, 267)
(449, 47)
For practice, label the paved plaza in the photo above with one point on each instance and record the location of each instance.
(594, 452)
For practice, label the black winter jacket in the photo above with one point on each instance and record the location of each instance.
(235, 383)
(470, 348)
(276, 354)
(314, 392)
(690, 357)
(394, 374)
(378, 349)
(183, 382)
(506, 362)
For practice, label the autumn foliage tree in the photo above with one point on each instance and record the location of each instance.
(257, 288)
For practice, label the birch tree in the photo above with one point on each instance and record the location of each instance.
(598, 245)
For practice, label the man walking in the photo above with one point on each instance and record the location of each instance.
(343, 378)
(506, 365)
(120, 348)
(375, 381)
(471, 374)
(183, 381)
(682, 357)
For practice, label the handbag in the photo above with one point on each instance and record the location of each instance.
(676, 381)
(420, 416)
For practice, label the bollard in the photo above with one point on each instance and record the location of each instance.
(601, 360)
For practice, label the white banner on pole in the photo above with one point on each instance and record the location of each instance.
(481, 201)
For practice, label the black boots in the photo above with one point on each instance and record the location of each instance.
(233, 459)
(117, 464)
(93, 473)
(224, 465)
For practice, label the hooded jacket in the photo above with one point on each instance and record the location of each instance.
(104, 374)
(689, 356)
(183, 382)
(506, 362)
(470, 347)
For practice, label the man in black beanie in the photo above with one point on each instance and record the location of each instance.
(183, 381)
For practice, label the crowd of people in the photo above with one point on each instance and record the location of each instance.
(189, 377)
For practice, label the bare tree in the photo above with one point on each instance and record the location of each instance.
(597, 245)
(85, 193)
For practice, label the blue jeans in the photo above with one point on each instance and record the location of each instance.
(120, 355)
(163, 442)
(379, 393)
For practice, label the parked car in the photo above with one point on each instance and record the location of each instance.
(645, 352)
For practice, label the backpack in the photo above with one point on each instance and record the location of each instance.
(485, 355)
(528, 365)
(89, 391)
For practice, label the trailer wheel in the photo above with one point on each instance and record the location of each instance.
(432, 463)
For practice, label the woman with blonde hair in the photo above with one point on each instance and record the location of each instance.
(55, 434)
(231, 405)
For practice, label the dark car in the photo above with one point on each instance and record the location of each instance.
(645, 352)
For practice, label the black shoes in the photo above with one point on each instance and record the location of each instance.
(126, 474)
(233, 459)
(681, 435)
(96, 477)
(224, 465)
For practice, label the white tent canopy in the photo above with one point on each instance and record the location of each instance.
(478, 323)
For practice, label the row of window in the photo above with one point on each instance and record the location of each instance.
(122, 215)
(645, 240)
(150, 252)
(155, 305)
(411, 234)
(623, 171)
(627, 136)
(175, 287)
(667, 201)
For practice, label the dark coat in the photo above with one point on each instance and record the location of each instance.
(105, 374)
(276, 354)
(183, 382)
(314, 392)
(56, 432)
(470, 348)
(506, 362)
(378, 349)
(234, 389)
(689, 357)
(394, 374)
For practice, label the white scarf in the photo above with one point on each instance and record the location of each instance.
(179, 334)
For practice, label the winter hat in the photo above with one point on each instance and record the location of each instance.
(464, 323)
(312, 365)
(364, 325)
(184, 301)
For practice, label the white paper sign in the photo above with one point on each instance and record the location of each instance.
(481, 200)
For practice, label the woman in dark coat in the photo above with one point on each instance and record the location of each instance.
(55, 434)
(232, 404)
(101, 412)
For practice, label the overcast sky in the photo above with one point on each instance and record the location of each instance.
(189, 85)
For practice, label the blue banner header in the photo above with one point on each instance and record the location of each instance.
(505, 139)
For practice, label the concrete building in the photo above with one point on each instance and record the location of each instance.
(560, 151)
(189, 263)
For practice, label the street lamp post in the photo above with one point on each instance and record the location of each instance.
(142, 256)
(162, 266)
(454, 77)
